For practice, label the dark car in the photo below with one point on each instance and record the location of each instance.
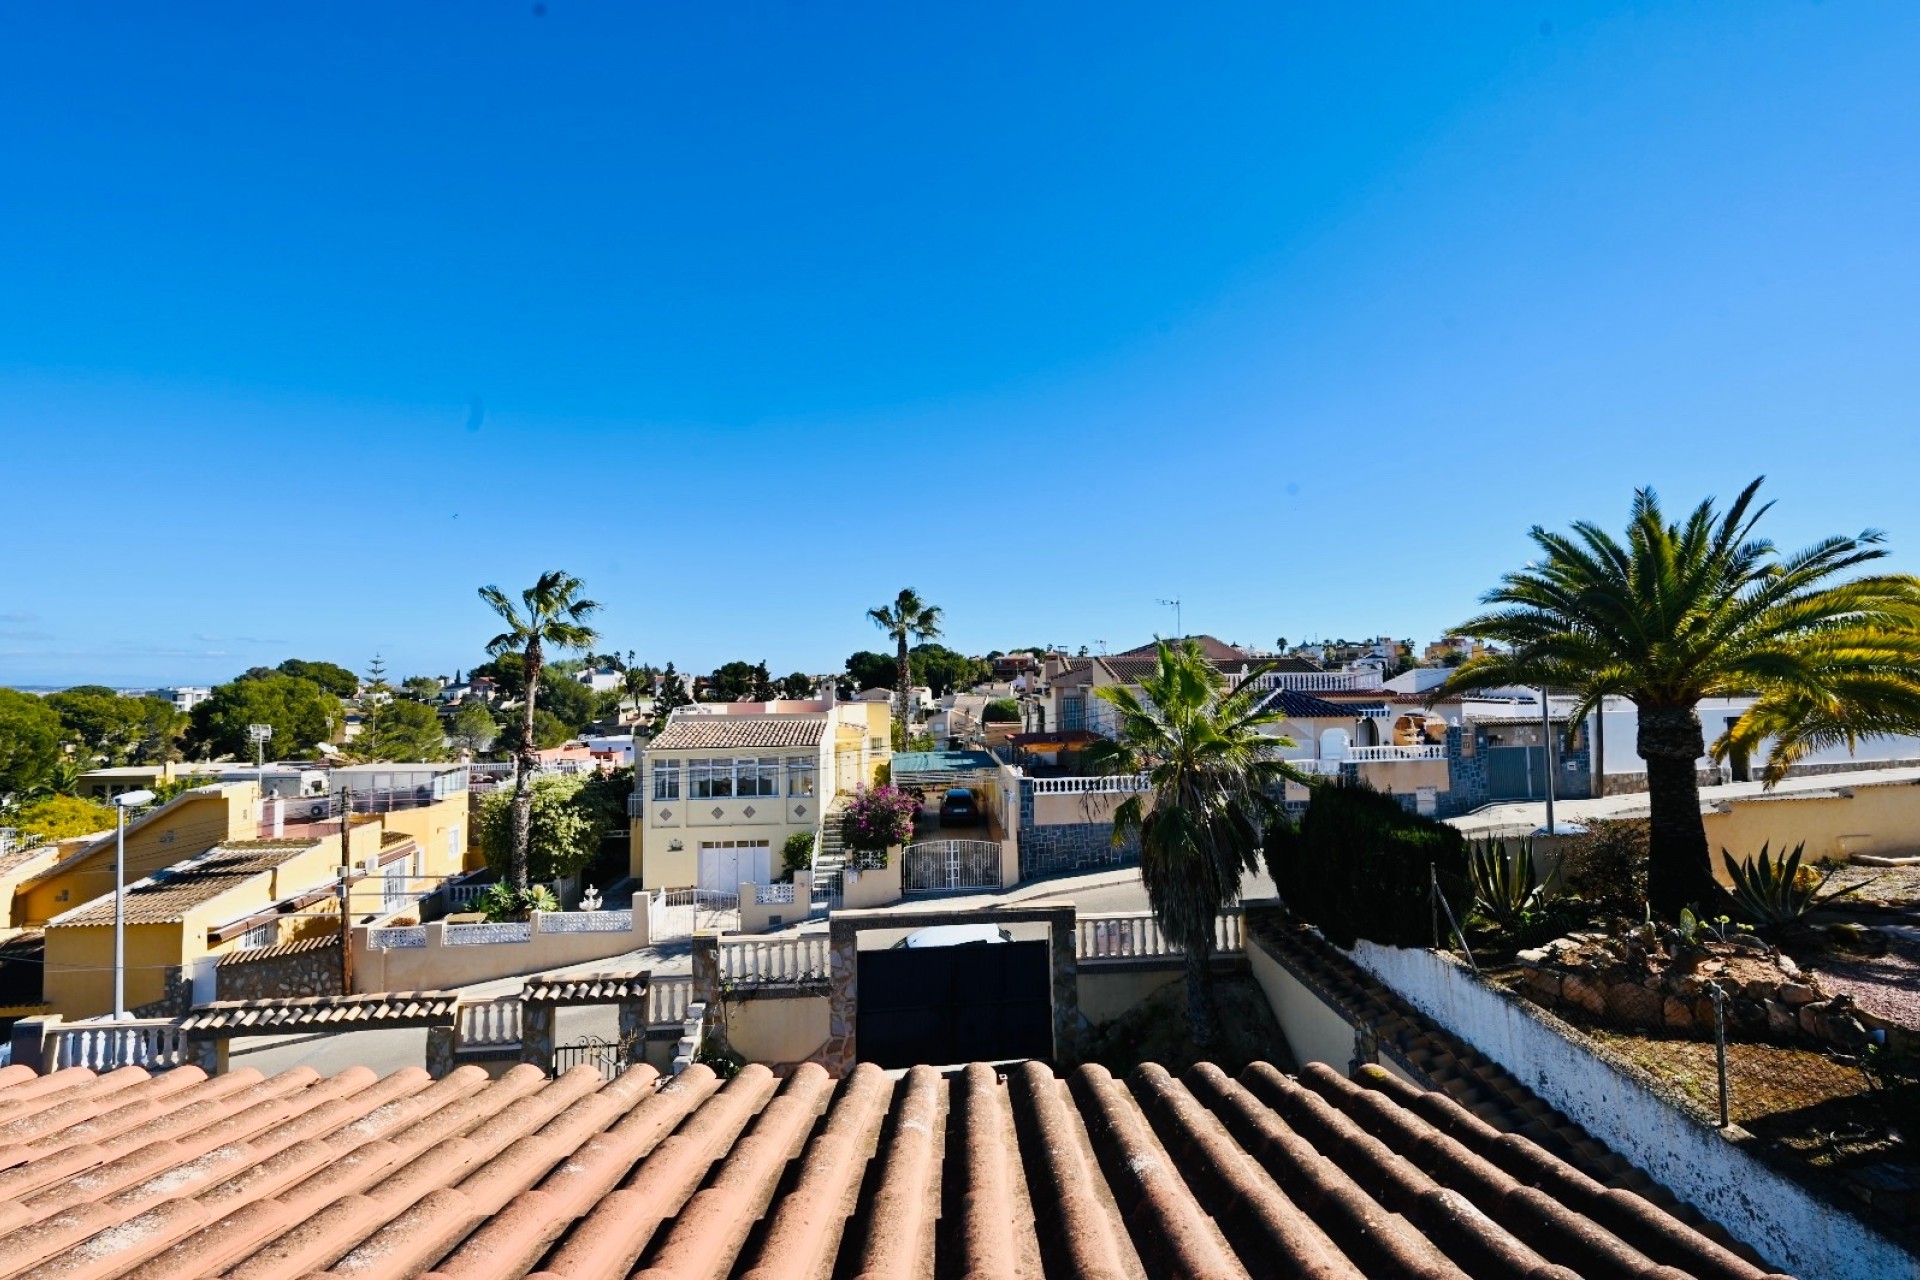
(959, 809)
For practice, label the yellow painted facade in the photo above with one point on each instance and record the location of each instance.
(674, 823)
(185, 827)
(79, 958)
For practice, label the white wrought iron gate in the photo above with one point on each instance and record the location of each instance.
(949, 866)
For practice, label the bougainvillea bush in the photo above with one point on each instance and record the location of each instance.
(875, 821)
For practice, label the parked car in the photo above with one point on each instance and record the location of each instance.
(959, 809)
(953, 935)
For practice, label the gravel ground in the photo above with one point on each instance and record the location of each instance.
(1887, 986)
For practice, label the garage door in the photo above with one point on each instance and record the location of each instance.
(978, 1003)
(727, 864)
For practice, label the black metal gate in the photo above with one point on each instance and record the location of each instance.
(984, 1002)
(609, 1056)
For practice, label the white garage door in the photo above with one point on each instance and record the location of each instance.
(727, 864)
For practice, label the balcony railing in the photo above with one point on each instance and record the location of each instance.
(1096, 785)
(1138, 936)
(104, 1046)
(1379, 755)
(775, 960)
(1313, 681)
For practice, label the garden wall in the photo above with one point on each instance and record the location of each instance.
(1774, 1214)
(439, 956)
(309, 967)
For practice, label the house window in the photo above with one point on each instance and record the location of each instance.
(261, 935)
(757, 777)
(800, 775)
(710, 779)
(1073, 712)
(666, 780)
(393, 890)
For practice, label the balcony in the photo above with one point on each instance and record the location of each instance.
(1396, 755)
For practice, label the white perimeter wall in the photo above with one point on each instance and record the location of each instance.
(1788, 1224)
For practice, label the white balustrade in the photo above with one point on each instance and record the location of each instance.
(106, 1046)
(490, 1022)
(667, 1000)
(479, 935)
(1139, 936)
(1097, 785)
(774, 959)
(1391, 754)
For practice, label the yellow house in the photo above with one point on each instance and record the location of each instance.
(239, 895)
(723, 785)
(188, 825)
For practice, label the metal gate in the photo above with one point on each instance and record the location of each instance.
(949, 866)
(984, 1002)
(1516, 773)
(609, 1056)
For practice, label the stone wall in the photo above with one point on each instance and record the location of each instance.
(1072, 846)
(310, 967)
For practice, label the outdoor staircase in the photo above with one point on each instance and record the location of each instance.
(829, 860)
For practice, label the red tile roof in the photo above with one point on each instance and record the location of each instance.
(972, 1173)
(698, 732)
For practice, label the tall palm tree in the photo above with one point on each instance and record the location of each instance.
(552, 614)
(1212, 768)
(907, 618)
(1697, 609)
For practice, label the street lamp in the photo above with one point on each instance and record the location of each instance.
(259, 734)
(124, 801)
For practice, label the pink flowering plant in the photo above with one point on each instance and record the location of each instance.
(875, 821)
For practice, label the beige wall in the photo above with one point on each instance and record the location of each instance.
(79, 967)
(442, 830)
(1404, 777)
(777, 1029)
(758, 917)
(1059, 810)
(873, 888)
(437, 966)
(1314, 1031)
(1107, 991)
(1882, 821)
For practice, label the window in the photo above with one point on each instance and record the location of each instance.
(710, 779)
(756, 777)
(393, 891)
(666, 780)
(800, 775)
(1073, 712)
(261, 935)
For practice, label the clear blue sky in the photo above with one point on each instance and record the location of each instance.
(314, 318)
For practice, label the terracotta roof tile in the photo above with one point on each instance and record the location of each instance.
(166, 896)
(699, 732)
(977, 1172)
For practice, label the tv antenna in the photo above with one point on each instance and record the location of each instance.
(1179, 631)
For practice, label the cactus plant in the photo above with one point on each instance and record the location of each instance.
(1774, 893)
(1503, 883)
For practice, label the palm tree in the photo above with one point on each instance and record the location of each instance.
(907, 618)
(550, 613)
(1211, 769)
(1699, 609)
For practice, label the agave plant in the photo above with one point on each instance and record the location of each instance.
(503, 902)
(1504, 890)
(1775, 893)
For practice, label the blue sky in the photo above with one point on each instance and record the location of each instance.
(315, 318)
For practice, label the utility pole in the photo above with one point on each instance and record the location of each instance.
(1546, 754)
(346, 889)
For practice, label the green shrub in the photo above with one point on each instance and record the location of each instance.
(1001, 711)
(797, 854)
(1607, 867)
(502, 902)
(1360, 866)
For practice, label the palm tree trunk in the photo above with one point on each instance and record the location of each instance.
(523, 775)
(903, 677)
(1203, 1018)
(1679, 869)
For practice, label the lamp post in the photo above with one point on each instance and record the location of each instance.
(124, 801)
(1546, 755)
(260, 734)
